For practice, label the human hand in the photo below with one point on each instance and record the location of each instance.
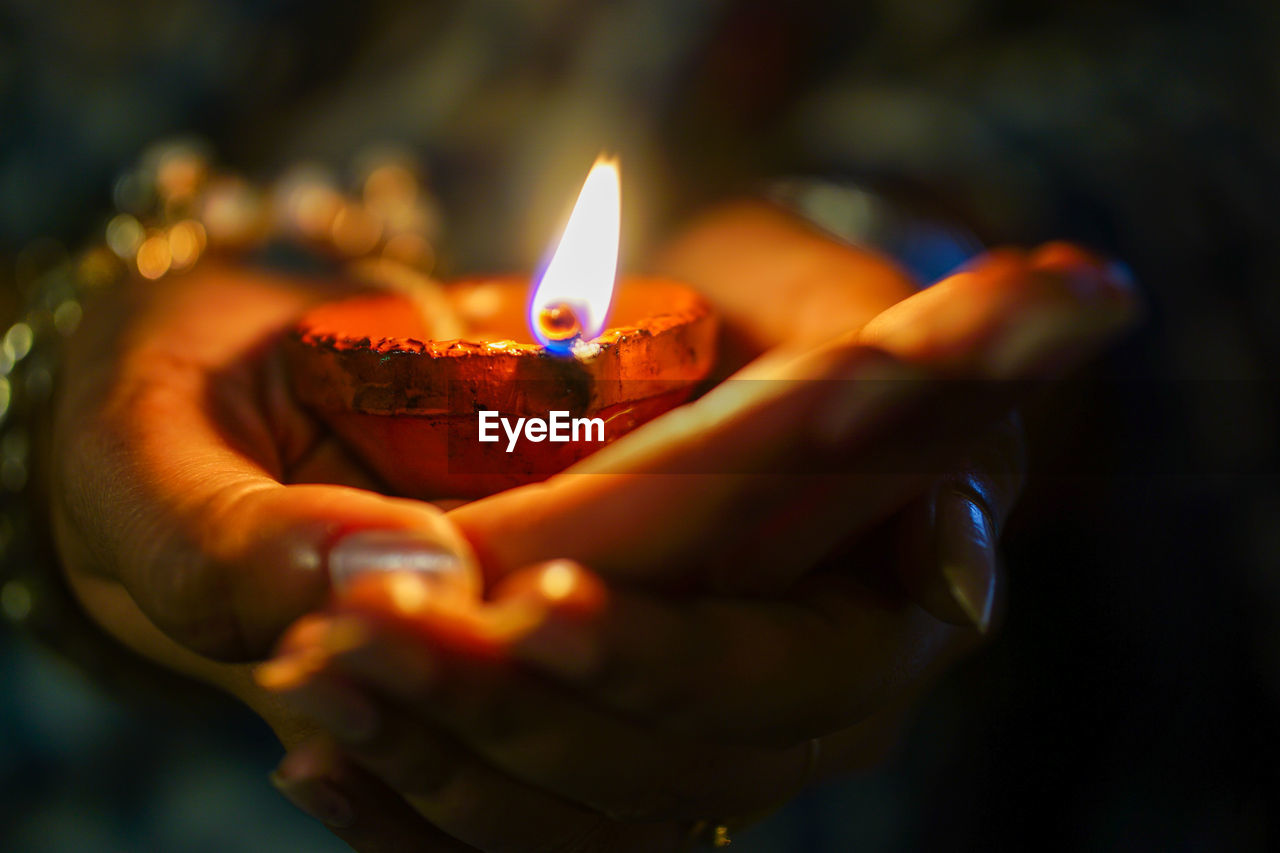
(176, 438)
(831, 421)
(180, 516)
(196, 506)
(710, 691)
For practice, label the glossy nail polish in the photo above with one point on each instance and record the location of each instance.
(967, 556)
(378, 551)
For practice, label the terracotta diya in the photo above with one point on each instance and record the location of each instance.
(403, 377)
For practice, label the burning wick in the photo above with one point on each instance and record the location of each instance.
(558, 323)
(571, 299)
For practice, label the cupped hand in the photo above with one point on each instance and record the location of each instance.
(584, 703)
(822, 435)
(199, 511)
(196, 506)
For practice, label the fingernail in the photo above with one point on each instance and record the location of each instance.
(1041, 339)
(391, 551)
(314, 796)
(343, 710)
(1069, 259)
(564, 584)
(967, 556)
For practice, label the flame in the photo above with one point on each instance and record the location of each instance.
(583, 269)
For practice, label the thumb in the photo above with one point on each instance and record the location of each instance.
(217, 554)
(173, 430)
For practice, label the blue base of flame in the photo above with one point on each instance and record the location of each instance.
(562, 348)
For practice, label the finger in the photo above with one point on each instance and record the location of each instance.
(1008, 315)
(160, 497)
(772, 672)
(449, 787)
(544, 737)
(1001, 319)
(445, 782)
(836, 448)
(776, 280)
(948, 538)
(1069, 258)
(354, 804)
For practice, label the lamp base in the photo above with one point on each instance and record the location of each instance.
(409, 405)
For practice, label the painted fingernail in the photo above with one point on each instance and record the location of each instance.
(377, 551)
(314, 796)
(967, 556)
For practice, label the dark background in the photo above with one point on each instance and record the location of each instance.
(1129, 701)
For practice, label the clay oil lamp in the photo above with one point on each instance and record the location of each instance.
(464, 389)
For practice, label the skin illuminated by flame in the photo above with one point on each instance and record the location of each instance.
(556, 581)
(580, 278)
